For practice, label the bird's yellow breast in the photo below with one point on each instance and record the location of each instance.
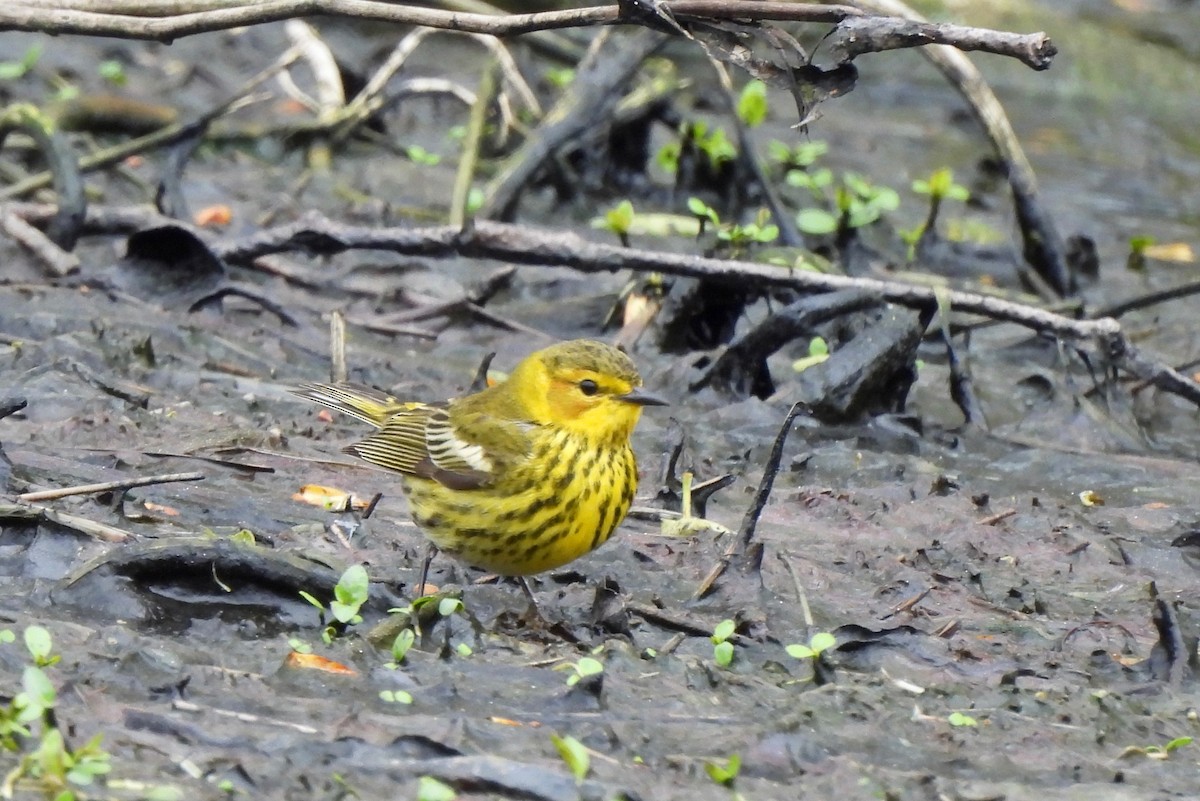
(558, 504)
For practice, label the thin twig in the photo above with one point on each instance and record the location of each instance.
(100, 531)
(108, 486)
(750, 521)
(338, 371)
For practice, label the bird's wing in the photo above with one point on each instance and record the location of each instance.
(459, 454)
(361, 402)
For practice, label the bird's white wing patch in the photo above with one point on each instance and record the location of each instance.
(450, 452)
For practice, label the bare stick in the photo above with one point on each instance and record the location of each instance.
(57, 261)
(168, 21)
(337, 348)
(91, 528)
(108, 486)
(528, 245)
(741, 544)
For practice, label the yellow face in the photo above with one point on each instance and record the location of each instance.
(589, 403)
(589, 388)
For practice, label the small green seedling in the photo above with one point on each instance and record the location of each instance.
(1138, 245)
(940, 186)
(798, 157)
(618, 219)
(586, 666)
(961, 719)
(430, 789)
(349, 594)
(740, 237)
(1159, 752)
(40, 647)
(752, 104)
(396, 696)
(560, 77)
(401, 645)
(12, 70)
(243, 536)
(113, 71)
(574, 754)
(818, 351)
(55, 766)
(703, 212)
(818, 643)
(722, 647)
(419, 155)
(724, 774)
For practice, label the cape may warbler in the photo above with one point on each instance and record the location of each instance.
(522, 477)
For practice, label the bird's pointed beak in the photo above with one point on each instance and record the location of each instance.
(639, 398)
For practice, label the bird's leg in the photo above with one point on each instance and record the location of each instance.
(430, 551)
(532, 615)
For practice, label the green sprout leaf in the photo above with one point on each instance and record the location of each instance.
(723, 631)
(618, 219)
(396, 696)
(941, 185)
(430, 789)
(243, 536)
(821, 641)
(449, 606)
(702, 210)
(560, 77)
(723, 774)
(12, 70)
(419, 155)
(404, 641)
(816, 222)
(752, 104)
(818, 351)
(587, 666)
(112, 71)
(959, 719)
(475, 198)
(350, 594)
(723, 653)
(39, 645)
(574, 754)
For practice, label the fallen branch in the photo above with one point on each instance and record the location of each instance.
(108, 486)
(167, 22)
(40, 514)
(518, 244)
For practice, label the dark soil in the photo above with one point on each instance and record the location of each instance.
(960, 571)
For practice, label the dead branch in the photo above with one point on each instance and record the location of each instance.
(108, 486)
(519, 244)
(855, 36)
(40, 514)
(58, 262)
(168, 21)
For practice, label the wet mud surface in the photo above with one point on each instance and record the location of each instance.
(997, 637)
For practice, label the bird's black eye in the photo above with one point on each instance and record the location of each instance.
(588, 387)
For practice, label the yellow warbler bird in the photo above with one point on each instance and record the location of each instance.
(522, 477)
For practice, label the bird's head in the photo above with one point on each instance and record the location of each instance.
(588, 387)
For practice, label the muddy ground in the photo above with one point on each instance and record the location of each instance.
(959, 570)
